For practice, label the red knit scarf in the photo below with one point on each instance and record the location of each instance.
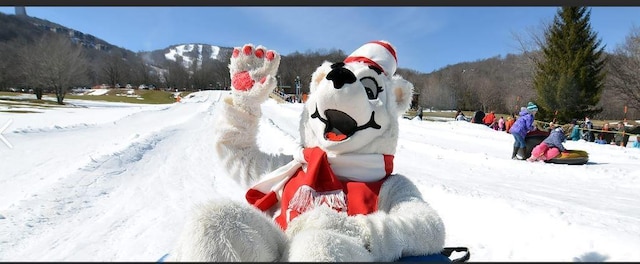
(298, 189)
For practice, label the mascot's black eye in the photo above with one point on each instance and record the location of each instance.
(371, 87)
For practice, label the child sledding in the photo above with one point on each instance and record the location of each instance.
(553, 150)
(550, 147)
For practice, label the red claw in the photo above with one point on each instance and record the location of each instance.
(270, 55)
(260, 53)
(236, 52)
(247, 50)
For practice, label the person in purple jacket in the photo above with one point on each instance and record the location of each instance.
(521, 127)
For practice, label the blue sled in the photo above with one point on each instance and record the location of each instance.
(427, 258)
(444, 256)
(161, 260)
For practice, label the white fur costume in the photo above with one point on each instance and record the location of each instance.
(341, 93)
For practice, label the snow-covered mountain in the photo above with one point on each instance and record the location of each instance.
(188, 55)
(192, 53)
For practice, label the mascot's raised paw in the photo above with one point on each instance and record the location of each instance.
(253, 71)
(250, 64)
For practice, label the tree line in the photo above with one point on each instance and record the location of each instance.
(50, 63)
(563, 68)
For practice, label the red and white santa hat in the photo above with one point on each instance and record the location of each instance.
(377, 53)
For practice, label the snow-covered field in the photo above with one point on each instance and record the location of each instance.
(115, 182)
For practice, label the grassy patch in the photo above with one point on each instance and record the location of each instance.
(28, 102)
(19, 111)
(115, 95)
(159, 97)
(147, 97)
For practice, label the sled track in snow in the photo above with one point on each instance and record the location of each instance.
(130, 154)
(53, 128)
(79, 126)
(75, 193)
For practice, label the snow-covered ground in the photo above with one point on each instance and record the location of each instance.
(115, 182)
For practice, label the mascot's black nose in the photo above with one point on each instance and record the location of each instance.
(339, 75)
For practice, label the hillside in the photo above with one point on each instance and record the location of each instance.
(31, 28)
(18, 29)
(500, 84)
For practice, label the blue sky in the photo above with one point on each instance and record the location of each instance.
(426, 38)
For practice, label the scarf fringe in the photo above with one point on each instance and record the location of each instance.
(307, 198)
(350, 167)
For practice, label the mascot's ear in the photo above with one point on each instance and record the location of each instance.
(403, 93)
(319, 74)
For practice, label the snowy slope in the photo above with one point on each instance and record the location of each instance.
(114, 182)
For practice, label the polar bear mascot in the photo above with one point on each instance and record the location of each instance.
(336, 198)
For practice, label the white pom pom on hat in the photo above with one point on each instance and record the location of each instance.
(378, 53)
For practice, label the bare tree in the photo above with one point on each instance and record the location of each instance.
(175, 76)
(624, 74)
(533, 41)
(213, 74)
(54, 62)
(220, 75)
(530, 46)
(10, 69)
(141, 72)
(114, 68)
(487, 93)
(437, 93)
(31, 65)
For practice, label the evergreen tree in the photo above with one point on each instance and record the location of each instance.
(570, 78)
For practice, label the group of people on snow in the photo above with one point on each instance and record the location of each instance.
(493, 122)
(490, 120)
(552, 146)
(519, 126)
(605, 135)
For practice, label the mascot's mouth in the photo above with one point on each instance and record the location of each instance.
(340, 126)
